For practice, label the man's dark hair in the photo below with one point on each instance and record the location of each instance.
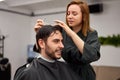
(45, 31)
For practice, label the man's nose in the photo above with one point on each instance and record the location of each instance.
(61, 45)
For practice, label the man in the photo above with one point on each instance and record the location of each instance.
(46, 66)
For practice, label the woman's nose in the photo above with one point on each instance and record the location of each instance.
(70, 16)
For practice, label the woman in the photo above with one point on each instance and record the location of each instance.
(81, 44)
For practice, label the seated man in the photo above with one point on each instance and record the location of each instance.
(46, 66)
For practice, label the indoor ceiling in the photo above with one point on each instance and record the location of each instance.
(35, 5)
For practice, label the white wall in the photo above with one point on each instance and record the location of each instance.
(107, 22)
(16, 28)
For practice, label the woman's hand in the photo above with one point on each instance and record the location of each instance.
(64, 26)
(61, 23)
(38, 25)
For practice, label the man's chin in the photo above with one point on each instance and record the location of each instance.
(58, 57)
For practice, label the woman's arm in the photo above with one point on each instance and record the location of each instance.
(87, 51)
(76, 39)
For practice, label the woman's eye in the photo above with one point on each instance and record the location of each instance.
(74, 13)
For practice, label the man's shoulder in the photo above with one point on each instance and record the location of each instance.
(25, 71)
(26, 67)
(31, 66)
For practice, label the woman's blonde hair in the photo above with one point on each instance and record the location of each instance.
(85, 15)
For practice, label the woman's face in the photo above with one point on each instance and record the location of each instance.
(74, 16)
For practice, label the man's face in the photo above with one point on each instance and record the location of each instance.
(54, 45)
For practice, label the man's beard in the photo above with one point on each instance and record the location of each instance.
(50, 54)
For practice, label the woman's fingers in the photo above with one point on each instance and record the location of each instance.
(38, 25)
(39, 21)
(58, 22)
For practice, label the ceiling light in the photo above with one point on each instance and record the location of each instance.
(1, 0)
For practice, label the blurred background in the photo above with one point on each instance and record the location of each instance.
(18, 17)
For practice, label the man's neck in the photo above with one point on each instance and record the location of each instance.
(48, 60)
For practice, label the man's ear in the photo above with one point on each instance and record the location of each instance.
(41, 43)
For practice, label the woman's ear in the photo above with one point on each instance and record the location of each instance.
(41, 43)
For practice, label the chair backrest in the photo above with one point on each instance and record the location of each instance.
(5, 69)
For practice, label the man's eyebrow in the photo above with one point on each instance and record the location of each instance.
(56, 39)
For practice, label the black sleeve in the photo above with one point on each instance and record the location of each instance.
(91, 51)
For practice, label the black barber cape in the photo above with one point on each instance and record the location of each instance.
(40, 69)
